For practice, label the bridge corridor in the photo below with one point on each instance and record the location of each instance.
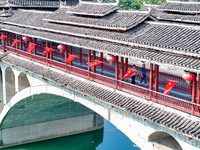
(134, 116)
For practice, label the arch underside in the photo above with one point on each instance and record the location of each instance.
(10, 83)
(23, 81)
(164, 141)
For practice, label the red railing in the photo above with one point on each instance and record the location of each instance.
(157, 97)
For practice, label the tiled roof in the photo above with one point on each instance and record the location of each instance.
(162, 15)
(35, 3)
(161, 36)
(181, 7)
(115, 21)
(93, 9)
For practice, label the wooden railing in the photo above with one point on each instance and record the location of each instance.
(150, 95)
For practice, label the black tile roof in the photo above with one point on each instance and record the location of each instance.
(115, 21)
(161, 36)
(162, 15)
(35, 3)
(189, 7)
(93, 9)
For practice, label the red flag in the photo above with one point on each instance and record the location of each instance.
(129, 73)
(47, 51)
(169, 86)
(30, 47)
(95, 63)
(70, 58)
(3, 37)
(14, 42)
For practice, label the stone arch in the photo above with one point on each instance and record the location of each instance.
(164, 141)
(23, 81)
(10, 83)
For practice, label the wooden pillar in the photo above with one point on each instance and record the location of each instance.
(51, 46)
(80, 55)
(4, 48)
(66, 53)
(70, 51)
(89, 59)
(151, 77)
(47, 55)
(35, 42)
(117, 70)
(194, 92)
(17, 46)
(101, 59)
(122, 68)
(126, 64)
(6, 38)
(10, 38)
(198, 94)
(20, 42)
(94, 58)
(156, 77)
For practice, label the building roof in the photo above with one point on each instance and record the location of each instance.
(115, 21)
(34, 3)
(162, 15)
(163, 36)
(93, 9)
(187, 7)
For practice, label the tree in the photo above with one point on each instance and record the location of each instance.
(131, 4)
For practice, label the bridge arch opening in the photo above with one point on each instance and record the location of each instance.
(164, 141)
(10, 84)
(23, 81)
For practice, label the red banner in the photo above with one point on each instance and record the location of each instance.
(47, 51)
(14, 42)
(3, 37)
(31, 47)
(70, 58)
(129, 73)
(169, 86)
(95, 63)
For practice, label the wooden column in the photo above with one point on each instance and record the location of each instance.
(4, 47)
(35, 42)
(101, 59)
(156, 77)
(47, 55)
(17, 46)
(20, 42)
(151, 77)
(6, 38)
(80, 55)
(117, 70)
(198, 94)
(51, 46)
(194, 92)
(122, 68)
(70, 51)
(89, 59)
(10, 38)
(66, 53)
(126, 64)
(94, 58)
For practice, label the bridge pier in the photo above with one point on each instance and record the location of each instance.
(4, 86)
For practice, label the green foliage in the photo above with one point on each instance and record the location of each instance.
(155, 1)
(110, 1)
(131, 4)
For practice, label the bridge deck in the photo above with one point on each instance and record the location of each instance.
(116, 99)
